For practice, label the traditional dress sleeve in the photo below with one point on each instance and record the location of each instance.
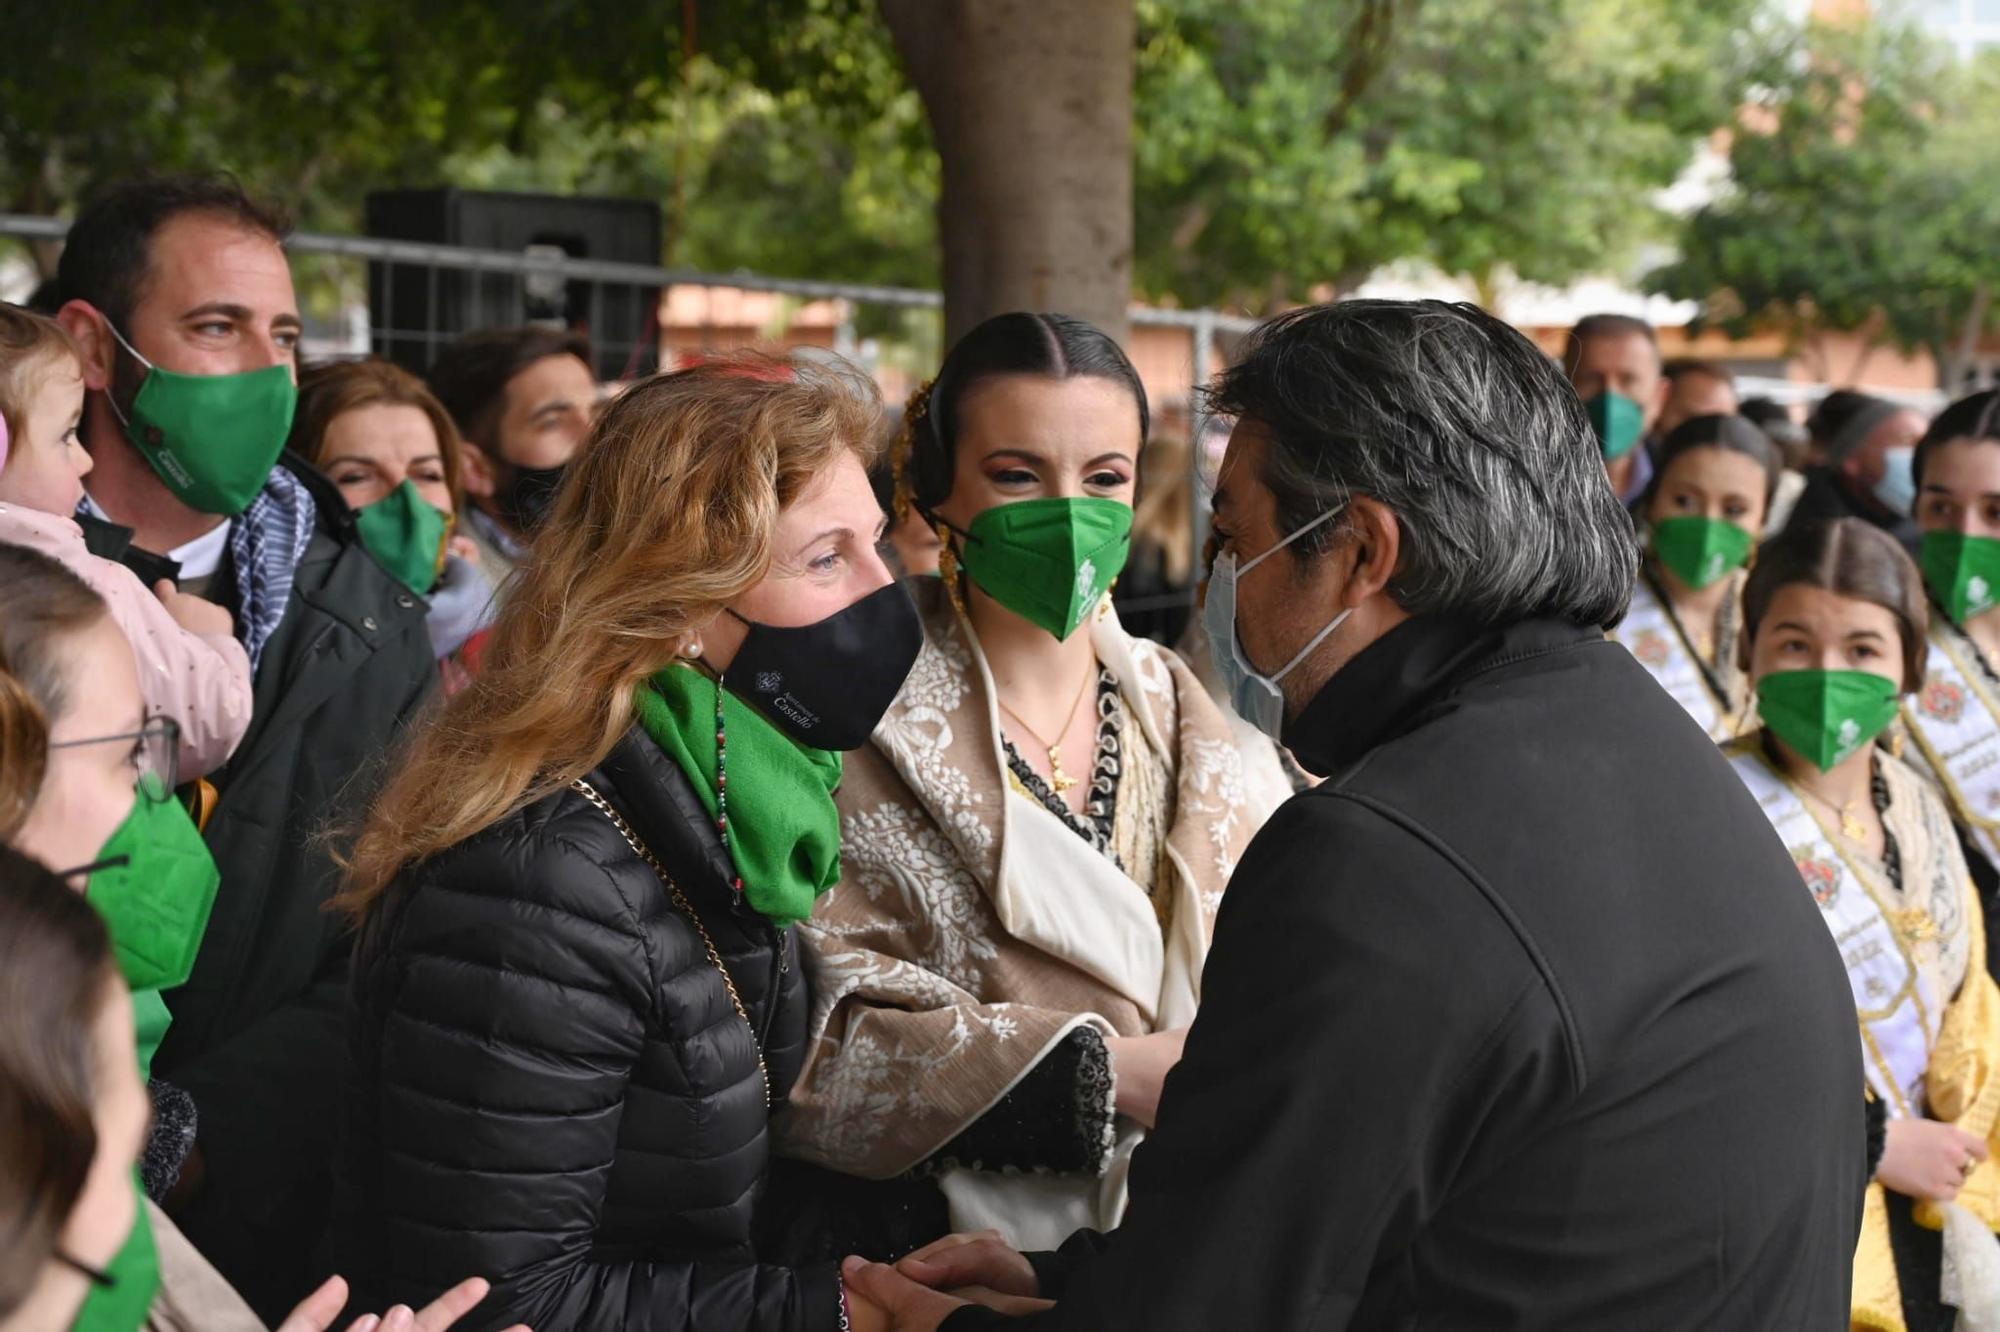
(908, 1068)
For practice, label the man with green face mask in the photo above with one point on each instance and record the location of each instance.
(180, 298)
(1613, 361)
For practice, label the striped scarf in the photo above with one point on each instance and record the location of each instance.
(265, 546)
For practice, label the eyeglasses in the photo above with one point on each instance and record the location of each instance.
(155, 752)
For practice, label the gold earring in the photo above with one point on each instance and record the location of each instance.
(1104, 602)
(948, 570)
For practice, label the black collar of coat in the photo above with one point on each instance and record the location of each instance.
(1387, 687)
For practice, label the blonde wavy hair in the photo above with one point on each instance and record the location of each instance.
(666, 514)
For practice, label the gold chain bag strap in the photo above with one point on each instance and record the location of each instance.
(639, 849)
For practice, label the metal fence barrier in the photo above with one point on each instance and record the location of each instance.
(406, 299)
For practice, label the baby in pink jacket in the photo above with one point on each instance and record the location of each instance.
(191, 667)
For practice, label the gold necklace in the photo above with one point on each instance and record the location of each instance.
(1059, 781)
(1851, 826)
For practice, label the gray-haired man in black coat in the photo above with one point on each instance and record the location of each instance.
(1521, 1019)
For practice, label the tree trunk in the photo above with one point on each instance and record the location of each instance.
(1953, 362)
(1030, 102)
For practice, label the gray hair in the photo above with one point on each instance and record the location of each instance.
(1470, 436)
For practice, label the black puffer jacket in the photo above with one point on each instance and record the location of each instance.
(550, 1087)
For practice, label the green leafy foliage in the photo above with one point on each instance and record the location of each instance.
(1861, 197)
(1288, 143)
(1281, 144)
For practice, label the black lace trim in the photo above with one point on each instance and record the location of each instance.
(1100, 811)
(1056, 1119)
(1892, 853)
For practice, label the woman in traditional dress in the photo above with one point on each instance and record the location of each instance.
(1834, 636)
(1703, 513)
(1955, 717)
(1035, 843)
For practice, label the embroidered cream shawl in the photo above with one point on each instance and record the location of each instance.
(971, 930)
(1939, 1064)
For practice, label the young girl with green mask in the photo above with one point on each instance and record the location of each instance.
(1035, 840)
(1702, 515)
(193, 670)
(1834, 636)
(1955, 717)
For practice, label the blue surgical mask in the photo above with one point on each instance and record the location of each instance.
(1256, 697)
(1897, 490)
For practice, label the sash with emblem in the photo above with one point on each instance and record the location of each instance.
(1653, 634)
(1929, 1014)
(1955, 720)
(1897, 1003)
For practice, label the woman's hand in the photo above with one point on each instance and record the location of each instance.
(317, 1312)
(980, 1259)
(1139, 1066)
(1922, 1158)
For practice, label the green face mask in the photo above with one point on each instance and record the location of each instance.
(121, 1295)
(1700, 550)
(213, 439)
(154, 883)
(1963, 572)
(406, 532)
(1619, 422)
(1826, 715)
(1050, 561)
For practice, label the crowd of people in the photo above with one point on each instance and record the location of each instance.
(496, 853)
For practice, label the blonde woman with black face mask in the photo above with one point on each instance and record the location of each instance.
(578, 996)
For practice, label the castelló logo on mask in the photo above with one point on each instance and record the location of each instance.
(1979, 593)
(769, 682)
(1086, 579)
(1850, 735)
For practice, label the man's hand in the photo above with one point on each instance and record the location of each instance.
(980, 1259)
(317, 1312)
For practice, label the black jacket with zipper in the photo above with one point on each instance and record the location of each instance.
(550, 1087)
(1521, 1020)
(256, 1033)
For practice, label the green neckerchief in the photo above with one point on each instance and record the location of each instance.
(784, 832)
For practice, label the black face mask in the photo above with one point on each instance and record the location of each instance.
(827, 684)
(528, 495)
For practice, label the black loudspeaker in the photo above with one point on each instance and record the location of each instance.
(416, 308)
